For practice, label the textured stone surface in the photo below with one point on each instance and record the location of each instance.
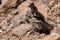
(29, 19)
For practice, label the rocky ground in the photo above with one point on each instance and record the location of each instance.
(29, 19)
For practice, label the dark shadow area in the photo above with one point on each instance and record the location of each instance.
(58, 38)
(43, 31)
(16, 13)
(46, 28)
(0, 2)
(18, 3)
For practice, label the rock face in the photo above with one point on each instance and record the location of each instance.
(30, 19)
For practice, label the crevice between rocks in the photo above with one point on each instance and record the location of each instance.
(0, 2)
(18, 3)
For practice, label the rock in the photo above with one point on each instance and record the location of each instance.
(51, 37)
(22, 29)
(21, 17)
